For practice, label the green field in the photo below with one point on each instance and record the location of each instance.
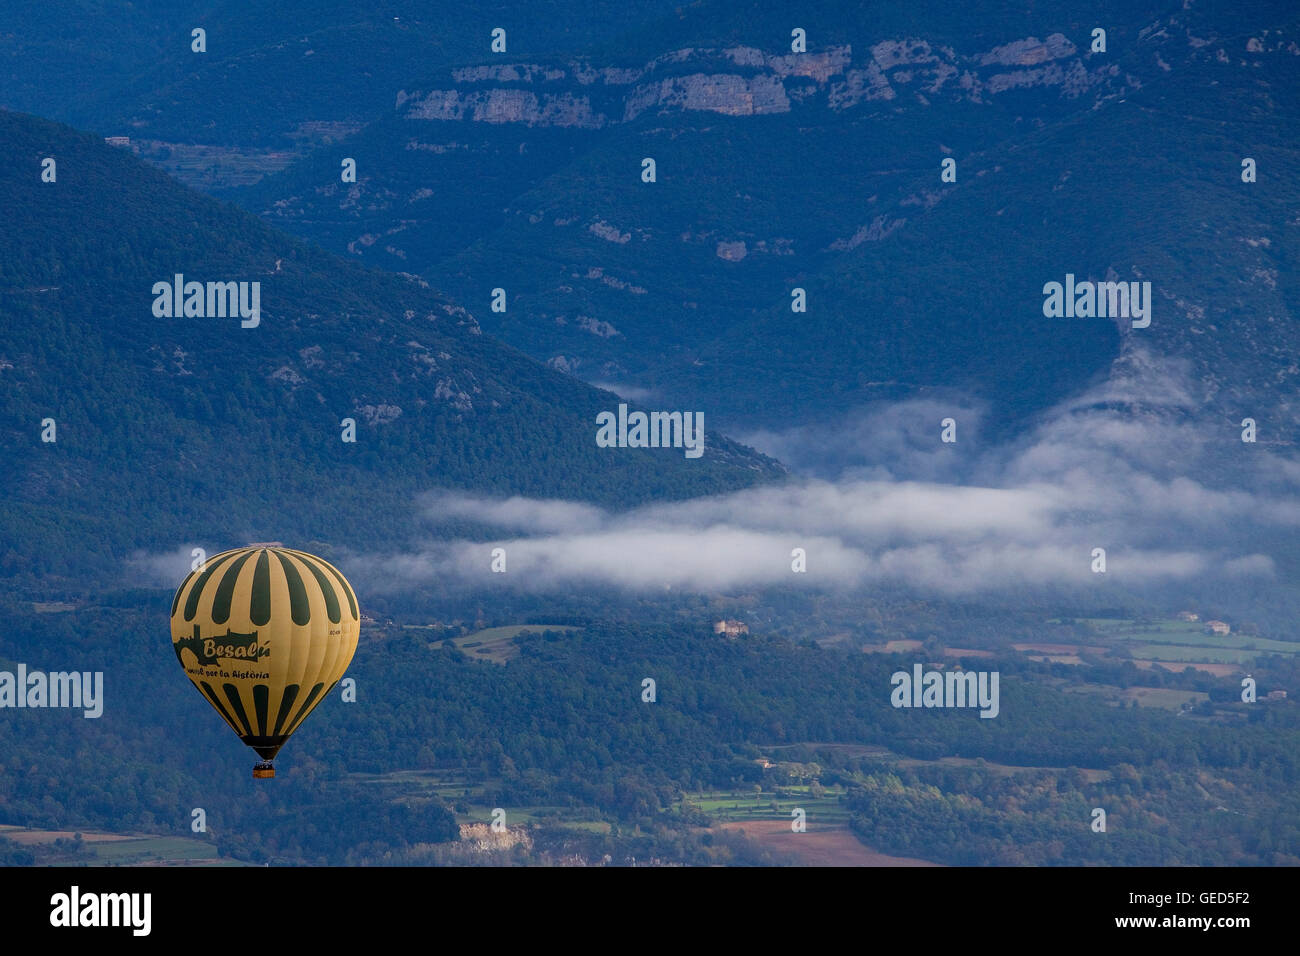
(1184, 642)
(496, 644)
(111, 849)
(157, 850)
(1190, 654)
(1167, 698)
(470, 806)
(730, 806)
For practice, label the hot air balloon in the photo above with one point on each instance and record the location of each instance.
(265, 633)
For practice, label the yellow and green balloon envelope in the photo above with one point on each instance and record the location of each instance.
(265, 633)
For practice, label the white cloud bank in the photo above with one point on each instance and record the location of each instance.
(1109, 470)
(1129, 467)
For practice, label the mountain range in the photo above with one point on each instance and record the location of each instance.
(821, 171)
(130, 429)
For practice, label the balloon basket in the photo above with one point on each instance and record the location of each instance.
(263, 771)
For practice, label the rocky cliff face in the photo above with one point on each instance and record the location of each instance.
(745, 81)
(822, 170)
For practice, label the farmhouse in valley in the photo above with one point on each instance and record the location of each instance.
(1217, 627)
(730, 628)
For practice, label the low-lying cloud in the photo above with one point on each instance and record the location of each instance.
(947, 539)
(1128, 467)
